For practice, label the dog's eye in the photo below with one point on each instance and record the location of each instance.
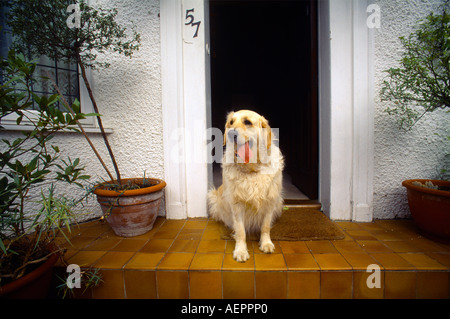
(247, 122)
(231, 122)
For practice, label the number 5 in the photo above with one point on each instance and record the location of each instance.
(189, 16)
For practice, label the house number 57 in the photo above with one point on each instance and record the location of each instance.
(190, 21)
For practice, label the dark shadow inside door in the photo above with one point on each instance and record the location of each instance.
(264, 58)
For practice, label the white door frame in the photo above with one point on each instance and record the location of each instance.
(345, 108)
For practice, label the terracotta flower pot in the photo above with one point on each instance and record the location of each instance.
(34, 285)
(132, 212)
(430, 208)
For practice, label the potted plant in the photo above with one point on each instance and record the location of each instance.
(30, 230)
(419, 86)
(92, 31)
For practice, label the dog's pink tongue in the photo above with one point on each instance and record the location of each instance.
(244, 152)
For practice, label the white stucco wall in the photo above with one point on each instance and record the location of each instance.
(401, 155)
(129, 97)
(128, 94)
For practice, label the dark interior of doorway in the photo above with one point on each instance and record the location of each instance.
(264, 58)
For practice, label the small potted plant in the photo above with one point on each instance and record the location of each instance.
(96, 32)
(32, 231)
(419, 86)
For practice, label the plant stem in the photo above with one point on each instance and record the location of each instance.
(82, 130)
(100, 124)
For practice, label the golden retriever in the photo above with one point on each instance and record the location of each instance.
(250, 197)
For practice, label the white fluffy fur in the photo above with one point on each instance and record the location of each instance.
(250, 198)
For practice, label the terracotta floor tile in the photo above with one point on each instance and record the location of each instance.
(211, 234)
(423, 262)
(392, 262)
(94, 229)
(147, 261)
(348, 246)
(332, 262)
(173, 224)
(432, 285)
(321, 247)
(303, 285)
(360, 261)
(374, 246)
(387, 235)
(128, 244)
(336, 285)
(201, 265)
(349, 225)
(270, 262)
(400, 285)
(79, 242)
(270, 285)
(172, 284)
(209, 261)
(110, 234)
(230, 264)
(426, 245)
(103, 244)
(211, 246)
(111, 287)
(86, 258)
(183, 245)
(370, 227)
(157, 245)
(199, 290)
(140, 284)
(403, 246)
(301, 262)
(238, 285)
(213, 224)
(166, 233)
(294, 247)
(196, 223)
(442, 258)
(190, 234)
(176, 261)
(114, 260)
(360, 235)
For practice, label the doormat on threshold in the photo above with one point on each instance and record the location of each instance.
(297, 224)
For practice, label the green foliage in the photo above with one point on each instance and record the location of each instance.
(41, 27)
(30, 162)
(422, 83)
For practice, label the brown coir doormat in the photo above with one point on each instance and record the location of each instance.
(296, 224)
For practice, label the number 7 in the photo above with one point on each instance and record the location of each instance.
(197, 24)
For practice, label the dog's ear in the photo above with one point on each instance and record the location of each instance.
(267, 131)
(227, 125)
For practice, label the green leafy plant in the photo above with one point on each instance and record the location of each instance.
(89, 278)
(40, 28)
(422, 83)
(30, 163)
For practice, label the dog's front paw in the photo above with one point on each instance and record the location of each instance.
(241, 255)
(267, 247)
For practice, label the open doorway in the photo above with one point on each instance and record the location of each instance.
(264, 58)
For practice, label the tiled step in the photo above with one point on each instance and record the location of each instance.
(188, 259)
